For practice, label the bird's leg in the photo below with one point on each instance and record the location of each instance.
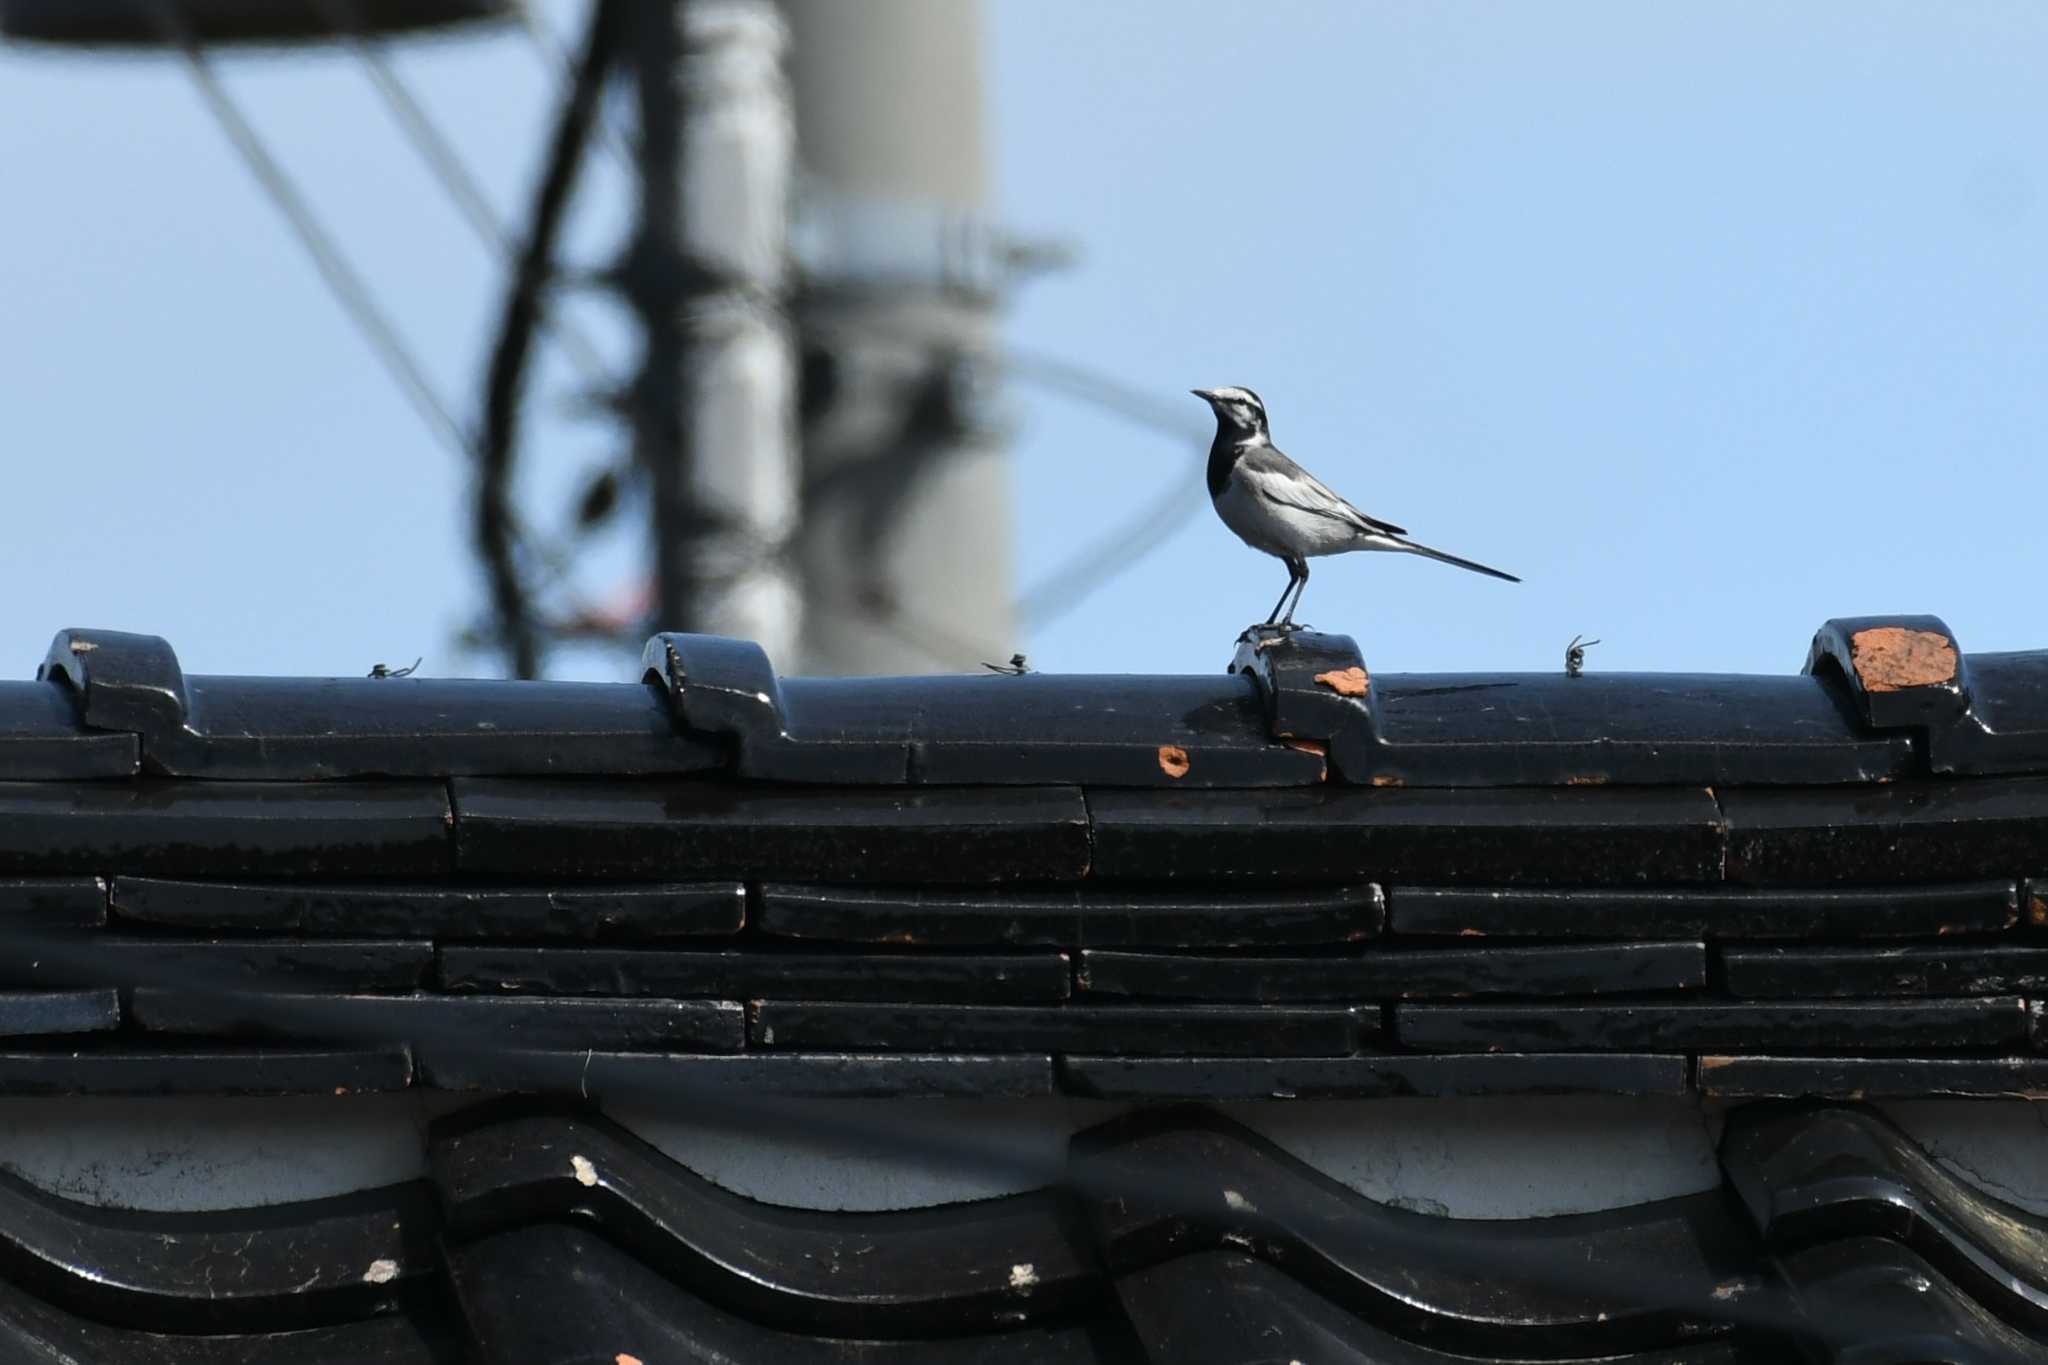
(1298, 584)
(1273, 616)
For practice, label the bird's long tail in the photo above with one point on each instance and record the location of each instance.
(1412, 548)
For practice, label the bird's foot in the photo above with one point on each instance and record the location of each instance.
(1271, 632)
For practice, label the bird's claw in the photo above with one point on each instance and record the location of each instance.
(1272, 630)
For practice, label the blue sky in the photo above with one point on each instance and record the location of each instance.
(1712, 321)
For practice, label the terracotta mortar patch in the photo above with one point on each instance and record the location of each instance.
(1890, 658)
(1347, 682)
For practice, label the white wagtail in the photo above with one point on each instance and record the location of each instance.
(1275, 505)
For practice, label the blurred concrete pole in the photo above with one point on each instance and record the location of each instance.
(905, 542)
(715, 414)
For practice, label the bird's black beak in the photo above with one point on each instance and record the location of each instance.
(1206, 395)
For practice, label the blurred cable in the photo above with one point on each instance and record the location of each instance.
(924, 634)
(1115, 552)
(1096, 389)
(498, 532)
(343, 282)
(448, 166)
(1123, 546)
(560, 62)
(505, 381)
(1069, 584)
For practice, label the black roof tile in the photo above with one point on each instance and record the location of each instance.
(1146, 887)
(1873, 1298)
(1163, 1184)
(650, 829)
(294, 1265)
(41, 737)
(1223, 1307)
(256, 829)
(42, 904)
(38, 1333)
(183, 1067)
(28, 1014)
(541, 1293)
(1764, 1076)
(288, 964)
(1946, 968)
(1809, 1175)
(1083, 916)
(456, 1022)
(297, 729)
(1381, 1075)
(1547, 729)
(1710, 911)
(445, 911)
(1946, 829)
(1113, 730)
(1715, 1026)
(945, 1271)
(1168, 1030)
(1883, 697)
(1567, 834)
(1897, 672)
(1971, 714)
(1624, 728)
(2006, 728)
(731, 973)
(683, 1080)
(1397, 973)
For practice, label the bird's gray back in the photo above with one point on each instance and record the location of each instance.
(1314, 495)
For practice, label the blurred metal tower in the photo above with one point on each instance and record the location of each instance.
(904, 546)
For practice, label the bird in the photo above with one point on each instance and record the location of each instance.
(1276, 506)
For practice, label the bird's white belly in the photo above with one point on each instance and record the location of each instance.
(1280, 530)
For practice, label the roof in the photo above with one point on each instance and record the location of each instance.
(722, 888)
(1293, 877)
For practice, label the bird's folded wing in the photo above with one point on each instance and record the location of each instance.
(1293, 486)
